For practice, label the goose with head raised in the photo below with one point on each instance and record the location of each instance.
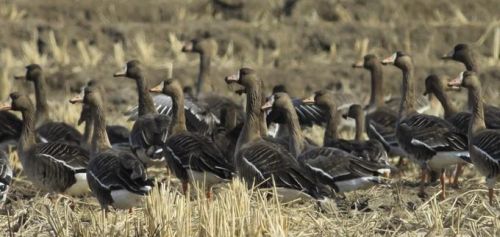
(266, 164)
(193, 158)
(344, 171)
(53, 166)
(150, 130)
(483, 142)
(117, 178)
(46, 129)
(433, 143)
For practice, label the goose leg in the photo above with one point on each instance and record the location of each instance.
(184, 187)
(458, 172)
(209, 194)
(423, 177)
(490, 182)
(442, 178)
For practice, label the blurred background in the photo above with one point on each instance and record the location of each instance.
(306, 44)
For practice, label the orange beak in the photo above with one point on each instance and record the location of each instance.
(19, 77)
(448, 55)
(121, 73)
(158, 88)
(76, 99)
(390, 60)
(456, 82)
(267, 105)
(5, 106)
(187, 47)
(232, 78)
(358, 64)
(309, 100)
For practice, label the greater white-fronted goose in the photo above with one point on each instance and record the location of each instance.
(262, 163)
(46, 129)
(192, 157)
(53, 166)
(368, 150)
(483, 143)
(205, 48)
(433, 143)
(378, 98)
(116, 178)
(150, 130)
(463, 53)
(345, 172)
(5, 177)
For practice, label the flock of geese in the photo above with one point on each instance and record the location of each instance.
(205, 139)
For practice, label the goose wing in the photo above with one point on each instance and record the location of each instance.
(308, 114)
(263, 162)
(488, 143)
(492, 117)
(381, 126)
(10, 126)
(198, 153)
(461, 121)
(56, 131)
(65, 155)
(150, 133)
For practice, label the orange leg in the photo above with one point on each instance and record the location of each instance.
(184, 187)
(423, 177)
(442, 178)
(458, 172)
(209, 194)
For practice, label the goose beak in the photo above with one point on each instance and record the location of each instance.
(187, 47)
(456, 82)
(5, 106)
(121, 73)
(309, 100)
(358, 64)
(390, 60)
(268, 105)
(157, 89)
(19, 77)
(76, 99)
(232, 78)
(448, 55)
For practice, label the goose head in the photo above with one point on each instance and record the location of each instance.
(399, 59)
(323, 99)
(433, 84)
(89, 96)
(354, 112)
(17, 102)
(201, 46)
(279, 88)
(168, 87)
(132, 69)
(245, 77)
(459, 53)
(467, 79)
(369, 62)
(33, 73)
(279, 101)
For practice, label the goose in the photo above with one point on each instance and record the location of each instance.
(381, 119)
(433, 143)
(369, 150)
(5, 177)
(193, 158)
(372, 63)
(265, 164)
(463, 53)
(47, 130)
(347, 171)
(150, 130)
(54, 166)
(437, 86)
(483, 142)
(116, 178)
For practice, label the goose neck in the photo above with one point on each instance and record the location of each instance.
(146, 104)
(204, 72)
(42, 107)
(448, 107)
(333, 120)
(377, 87)
(88, 131)
(477, 122)
(27, 139)
(407, 105)
(179, 118)
(360, 127)
(100, 140)
(253, 116)
(296, 138)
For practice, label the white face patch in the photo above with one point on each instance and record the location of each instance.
(125, 68)
(393, 57)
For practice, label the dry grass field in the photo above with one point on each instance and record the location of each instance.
(308, 46)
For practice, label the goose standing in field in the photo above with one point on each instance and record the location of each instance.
(5, 177)
(369, 150)
(117, 178)
(266, 164)
(47, 130)
(53, 166)
(430, 141)
(381, 119)
(483, 143)
(150, 130)
(345, 171)
(192, 157)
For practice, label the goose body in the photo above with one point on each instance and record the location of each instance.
(5, 177)
(430, 141)
(54, 166)
(483, 142)
(192, 157)
(117, 178)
